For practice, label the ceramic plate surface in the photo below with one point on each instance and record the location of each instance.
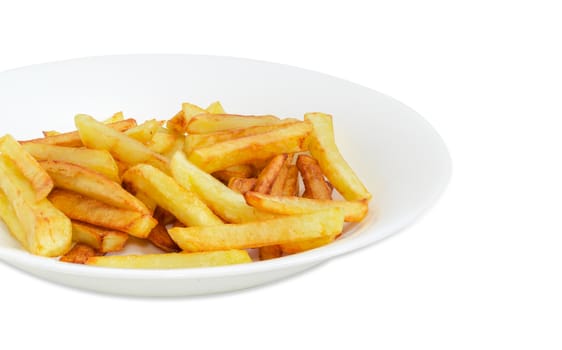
(398, 155)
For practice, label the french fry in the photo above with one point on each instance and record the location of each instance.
(72, 139)
(168, 194)
(163, 216)
(48, 133)
(172, 260)
(179, 122)
(235, 171)
(324, 149)
(79, 254)
(28, 166)
(99, 238)
(117, 117)
(354, 211)
(86, 182)
(313, 178)
(193, 141)
(206, 123)
(226, 203)
(242, 185)
(100, 161)
(42, 230)
(270, 252)
(298, 247)
(145, 131)
(160, 238)
(215, 108)
(270, 173)
(8, 215)
(92, 211)
(291, 185)
(261, 233)
(287, 139)
(163, 140)
(99, 136)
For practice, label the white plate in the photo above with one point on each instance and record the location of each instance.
(399, 156)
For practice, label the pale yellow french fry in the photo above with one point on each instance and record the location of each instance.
(172, 260)
(145, 131)
(179, 122)
(193, 141)
(72, 139)
(92, 184)
(323, 148)
(92, 211)
(117, 117)
(282, 230)
(48, 133)
(226, 203)
(206, 123)
(168, 194)
(163, 141)
(99, 136)
(42, 229)
(215, 108)
(99, 238)
(28, 166)
(287, 139)
(100, 161)
(354, 211)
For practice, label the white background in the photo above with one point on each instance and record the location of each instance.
(481, 270)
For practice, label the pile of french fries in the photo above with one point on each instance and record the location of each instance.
(205, 187)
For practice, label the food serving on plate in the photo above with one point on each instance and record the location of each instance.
(205, 187)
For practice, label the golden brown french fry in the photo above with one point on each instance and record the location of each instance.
(172, 260)
(48, 133)
(145, 131)
(282, 230)
(91, 211)
(270, 252)
(291, 186)
(179, 122)
(79, 254)
(242, 185)
(270, 173)
(193, 141)
(99, 238)
(28, 166)
(297, 247)
(354, 211)
(279, 184)
(161, 239)
(99, 136)
(72, 139)
(163, 216)
(226, 203)
(206, 123)
(89, 183)
(313, 178)
(287, 139)
(238, 171)
(215, 108)
(168, 194)
(100, 161)
(42, 229)
(324, 149)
